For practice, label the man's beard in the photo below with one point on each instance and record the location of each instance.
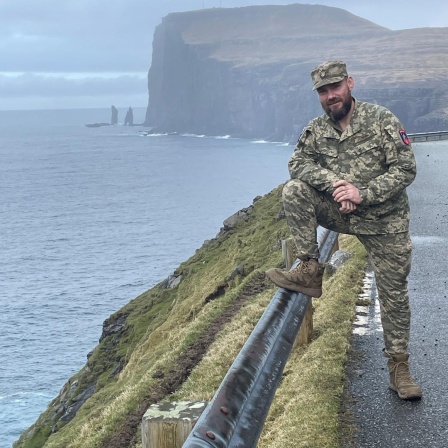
(340, 113)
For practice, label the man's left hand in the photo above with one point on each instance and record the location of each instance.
(345, 191)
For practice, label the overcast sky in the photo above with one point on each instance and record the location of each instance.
(94, 53)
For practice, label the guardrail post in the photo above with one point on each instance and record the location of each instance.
(167, 425)
(336, 246)
(305, 334)
(289, 253)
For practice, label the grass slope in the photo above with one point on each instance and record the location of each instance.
(178, 344)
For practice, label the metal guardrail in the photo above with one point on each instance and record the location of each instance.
(235, 416)
(428, 136)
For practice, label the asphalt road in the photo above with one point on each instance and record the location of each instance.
(383, 420)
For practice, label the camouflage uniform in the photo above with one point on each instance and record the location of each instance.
(374, 154)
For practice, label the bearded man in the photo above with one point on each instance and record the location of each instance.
(349, 173)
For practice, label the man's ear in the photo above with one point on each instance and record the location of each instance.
(350, 83)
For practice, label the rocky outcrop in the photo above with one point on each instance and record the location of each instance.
(104, 361)
(245, 71)
(114, 115)
(129, 118)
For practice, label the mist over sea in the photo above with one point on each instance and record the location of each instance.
(89, 219)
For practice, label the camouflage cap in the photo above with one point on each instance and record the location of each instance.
(328, 73)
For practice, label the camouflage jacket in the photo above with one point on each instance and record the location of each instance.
(373, 153)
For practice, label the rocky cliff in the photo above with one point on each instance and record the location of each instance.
(245, 71)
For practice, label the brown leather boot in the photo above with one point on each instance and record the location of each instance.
(305, 278)
(401, 380)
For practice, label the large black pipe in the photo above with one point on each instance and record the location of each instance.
(235, 416)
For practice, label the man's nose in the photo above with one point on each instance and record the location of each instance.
(331, 93)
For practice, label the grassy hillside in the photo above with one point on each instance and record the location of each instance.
(178, 342)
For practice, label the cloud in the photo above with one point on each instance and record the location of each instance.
(36, 91)
(75, 35)
(116, 35)
(36, 85)
(99, 36)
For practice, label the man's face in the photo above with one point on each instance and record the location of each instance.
(336, 99)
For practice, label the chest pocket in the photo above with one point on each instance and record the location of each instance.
(364, 158)
(328, 158)
(327, 152)
(365, 145)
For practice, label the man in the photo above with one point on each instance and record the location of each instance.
(349, 172)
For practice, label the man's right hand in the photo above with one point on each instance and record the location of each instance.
(347, 207)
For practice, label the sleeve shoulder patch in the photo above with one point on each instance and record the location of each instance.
(404, 136)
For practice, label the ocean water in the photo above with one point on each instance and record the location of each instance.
(89, 219)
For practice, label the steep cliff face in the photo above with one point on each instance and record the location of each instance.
(245, 71)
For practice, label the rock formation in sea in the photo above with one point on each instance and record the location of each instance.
(114, 115)
(245, 71)
(129, 118)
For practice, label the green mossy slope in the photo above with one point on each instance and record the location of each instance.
(178, 343)
(143, 342)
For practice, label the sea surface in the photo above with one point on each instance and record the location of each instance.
(89, 219)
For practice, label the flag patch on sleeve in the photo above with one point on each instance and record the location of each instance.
(404, 137)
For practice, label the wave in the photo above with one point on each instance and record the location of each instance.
(216, 137)
(20, 396)
(270, 142)
(150, 134)
(193, 135)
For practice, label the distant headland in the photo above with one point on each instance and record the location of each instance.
(245, 71)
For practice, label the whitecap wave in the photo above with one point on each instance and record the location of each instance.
(150, 134)
(20, 396)
(193, 135)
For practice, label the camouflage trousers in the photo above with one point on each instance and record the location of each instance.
(390, 255)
